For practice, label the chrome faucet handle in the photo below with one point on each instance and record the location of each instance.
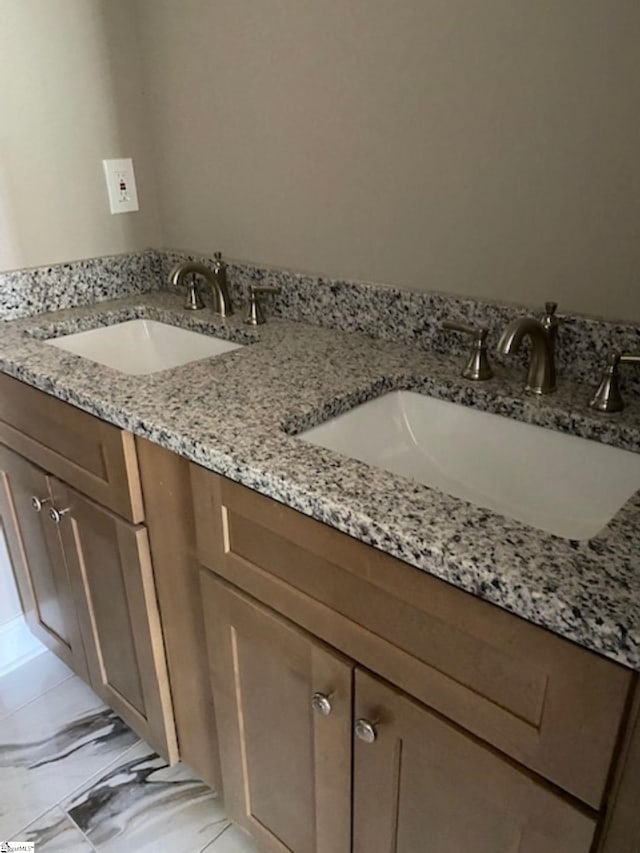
(607, 397)
(478, 367)
(194, 300)
(255, 315)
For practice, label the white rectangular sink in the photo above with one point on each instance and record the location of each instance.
(558, 483)
(139, 347)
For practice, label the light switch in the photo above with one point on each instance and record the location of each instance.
(121, 185)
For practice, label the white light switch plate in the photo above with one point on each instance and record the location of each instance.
(121, 185)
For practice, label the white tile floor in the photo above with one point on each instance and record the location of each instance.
(75, 779)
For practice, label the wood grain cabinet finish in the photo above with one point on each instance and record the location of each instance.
(38, 559)
(110, 568)
(171, 526)
(549, 704)
(286, 767)
(424, 785)
(93, 456)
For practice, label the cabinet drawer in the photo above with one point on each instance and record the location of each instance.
(548, 703)
(97, 458)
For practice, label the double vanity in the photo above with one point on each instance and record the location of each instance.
(330, 575)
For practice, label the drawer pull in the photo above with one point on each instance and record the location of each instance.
(56, 514)
(321, 703)
(38, 503)
(366, 731)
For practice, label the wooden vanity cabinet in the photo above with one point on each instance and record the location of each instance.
(419, 782)
(85, 573)
(360, 705)
(490, 734)
(38, 560)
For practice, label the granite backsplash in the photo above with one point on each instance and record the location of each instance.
(389, 313)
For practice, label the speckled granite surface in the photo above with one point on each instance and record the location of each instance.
(388, 313)
(24, 293)
(392, 313)
(235, 415)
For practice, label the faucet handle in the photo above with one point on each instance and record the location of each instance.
(478, 367)
(218, 263)
(194, 300)
(551, 322)
(607, 397)
(255, 315)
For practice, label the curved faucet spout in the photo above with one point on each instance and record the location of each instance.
(542, 372)
(220, 291)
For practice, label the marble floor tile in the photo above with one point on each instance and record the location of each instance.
(30, 681)
(54, 832)
(142, 805)
(232, 840)
(52, 746)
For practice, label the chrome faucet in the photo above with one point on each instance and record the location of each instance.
(216, 278)
(541, 378)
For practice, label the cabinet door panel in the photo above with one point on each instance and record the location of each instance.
(110, 568)
(286, 768)
(38, 560)
(425, 785)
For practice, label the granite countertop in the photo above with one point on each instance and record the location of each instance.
(237, 415)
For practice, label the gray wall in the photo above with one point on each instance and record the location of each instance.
(71, 95)
(486, 148)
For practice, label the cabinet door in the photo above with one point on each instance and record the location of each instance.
(111, 575)
(420, 783)
(286, 767)
(38, 560)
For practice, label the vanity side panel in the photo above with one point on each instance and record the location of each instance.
(546, 702)
(168, 506)
(621, 832)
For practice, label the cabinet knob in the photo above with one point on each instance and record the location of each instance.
(38, 503)
(56, 514)
(366, 731)
(321, 703)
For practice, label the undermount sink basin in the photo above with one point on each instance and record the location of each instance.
(139, 347)
(558, 483)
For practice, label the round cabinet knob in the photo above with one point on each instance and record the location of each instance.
(56, 514)
(321, 703)
(38, 503)
(366, 731)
